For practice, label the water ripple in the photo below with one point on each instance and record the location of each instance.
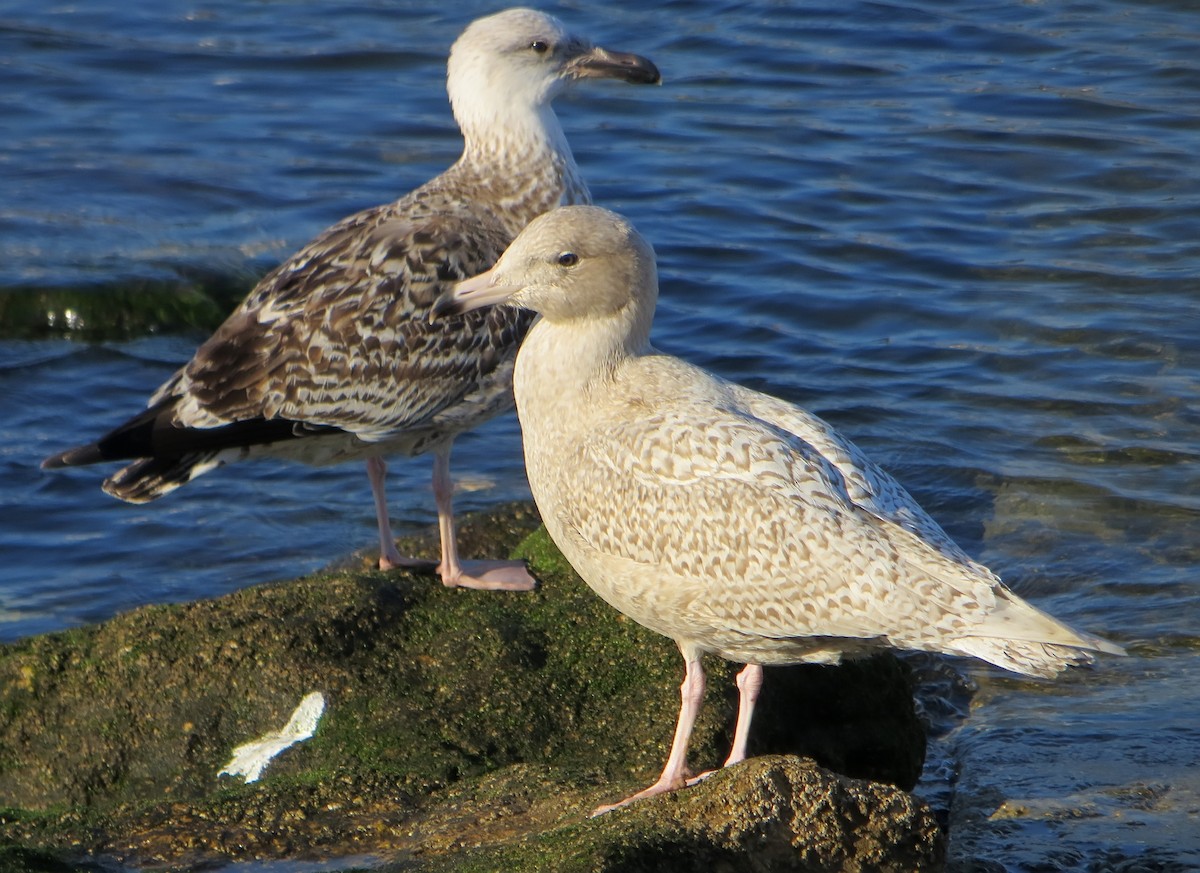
(966, 232)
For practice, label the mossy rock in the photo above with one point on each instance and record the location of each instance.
(460, 727)
(123, 311)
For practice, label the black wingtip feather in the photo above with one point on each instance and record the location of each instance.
(151, 434)
(77, 457)
(125, 442)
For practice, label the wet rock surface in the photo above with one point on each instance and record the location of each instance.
(463, 730)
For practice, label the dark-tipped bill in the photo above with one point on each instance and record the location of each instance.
(473, 293)
(600, 63)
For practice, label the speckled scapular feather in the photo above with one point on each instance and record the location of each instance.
(731, 521)
(332, 356)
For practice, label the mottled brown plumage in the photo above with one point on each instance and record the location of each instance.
(333, 356)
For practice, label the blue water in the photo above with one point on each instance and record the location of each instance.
(967, 233)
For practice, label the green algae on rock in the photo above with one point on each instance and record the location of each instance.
(127, 310)
(461, 726)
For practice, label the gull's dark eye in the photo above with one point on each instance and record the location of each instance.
(540, 46)
(568, 259)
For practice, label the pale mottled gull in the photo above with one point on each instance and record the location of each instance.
(333, 357)
(733, 522)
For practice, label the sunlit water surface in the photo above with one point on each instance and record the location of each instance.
(967, 233)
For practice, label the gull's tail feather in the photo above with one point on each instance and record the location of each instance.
(151, 478)
(1023, 639)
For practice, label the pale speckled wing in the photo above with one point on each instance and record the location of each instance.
(866, 483)
(750, 530)
(339, 334)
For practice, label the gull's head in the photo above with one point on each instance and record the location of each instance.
(572, 263)
(522, 58)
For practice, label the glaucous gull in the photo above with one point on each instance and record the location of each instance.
(728, 520)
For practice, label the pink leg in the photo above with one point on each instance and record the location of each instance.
(674, 774)
(389, 557)
(489, 575)
(495, 575)
(749, 683)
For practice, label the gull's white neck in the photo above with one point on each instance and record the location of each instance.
(488, 127)
(519, 155)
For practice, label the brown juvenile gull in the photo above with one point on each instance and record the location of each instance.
(731, 521)
(333, 357)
